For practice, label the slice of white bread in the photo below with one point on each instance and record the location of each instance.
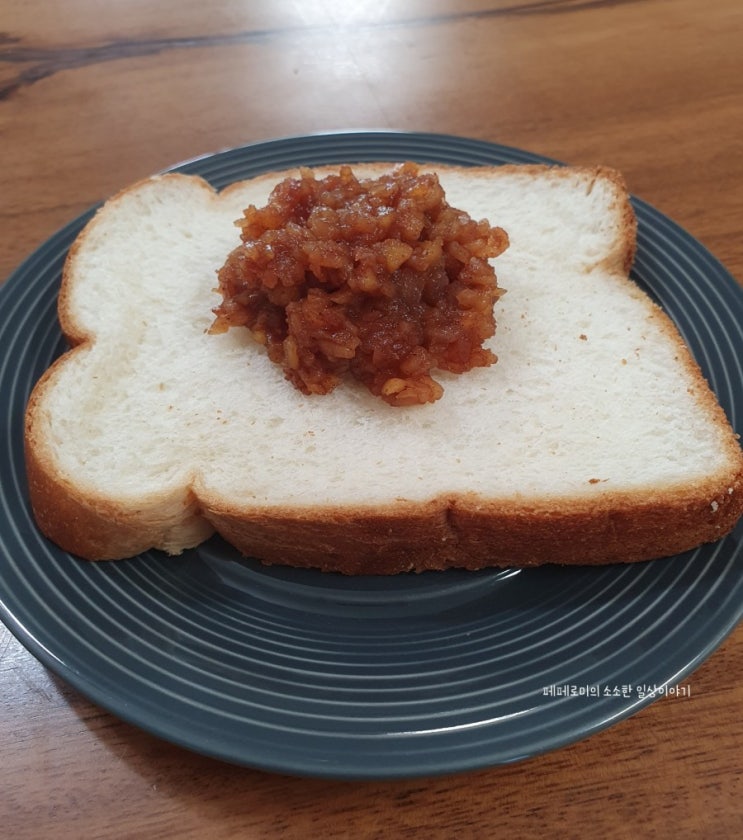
(593, 439)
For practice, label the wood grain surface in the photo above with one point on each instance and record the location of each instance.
(96, 95)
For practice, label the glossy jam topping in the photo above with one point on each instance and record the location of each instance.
(379, 279)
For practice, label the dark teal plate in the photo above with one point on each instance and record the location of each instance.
(370, 678)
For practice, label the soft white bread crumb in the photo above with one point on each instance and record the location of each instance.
(152, 431)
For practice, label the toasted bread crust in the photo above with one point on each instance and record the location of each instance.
(470, 533)
(463, 531)
(89, 524)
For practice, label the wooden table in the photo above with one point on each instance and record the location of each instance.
(94, 96)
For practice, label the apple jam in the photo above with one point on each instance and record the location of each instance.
(375, 278)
